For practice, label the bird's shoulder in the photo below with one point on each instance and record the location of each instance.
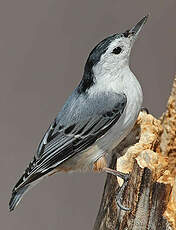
(80, 106)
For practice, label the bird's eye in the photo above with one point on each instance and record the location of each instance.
(117, 50)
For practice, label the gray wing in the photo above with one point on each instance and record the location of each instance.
(62, 141)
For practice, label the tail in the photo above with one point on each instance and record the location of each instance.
(23, 186)
(17, 196)
(26, 182)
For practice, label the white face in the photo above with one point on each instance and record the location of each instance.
(115, 58)
(109, 60)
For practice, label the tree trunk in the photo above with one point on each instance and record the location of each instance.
(148, 153)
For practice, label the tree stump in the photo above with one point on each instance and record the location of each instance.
(148, 153)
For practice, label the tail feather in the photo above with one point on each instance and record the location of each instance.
(17, 196)
(25, 183)
(18, 192)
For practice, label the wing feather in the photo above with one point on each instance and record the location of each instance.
(62, 143)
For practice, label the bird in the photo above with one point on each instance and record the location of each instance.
(98, 115)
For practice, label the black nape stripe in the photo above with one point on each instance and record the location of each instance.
(87, 81)
(94, 57)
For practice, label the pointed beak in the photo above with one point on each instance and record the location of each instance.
(134, 31)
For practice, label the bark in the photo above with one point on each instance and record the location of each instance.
(148, 153)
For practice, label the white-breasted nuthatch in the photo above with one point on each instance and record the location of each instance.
(97, 116)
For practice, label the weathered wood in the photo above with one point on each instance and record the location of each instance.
(146, 198)
(107, 215)
(168, 149)
(149, 155)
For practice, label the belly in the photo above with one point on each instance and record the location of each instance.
(83, 161)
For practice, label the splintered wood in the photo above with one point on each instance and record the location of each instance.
(148, 153)
(168, 149)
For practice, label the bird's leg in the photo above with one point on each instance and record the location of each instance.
(101, 166)
(125, 177)
(144, 109)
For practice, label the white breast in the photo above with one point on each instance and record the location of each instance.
(128, 84)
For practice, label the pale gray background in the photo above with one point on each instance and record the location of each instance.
(43, 47)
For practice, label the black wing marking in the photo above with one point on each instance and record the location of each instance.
(58, 146)
(46, 138)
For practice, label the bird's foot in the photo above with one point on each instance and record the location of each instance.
(144, 109)
(120, 194)
(125, 178)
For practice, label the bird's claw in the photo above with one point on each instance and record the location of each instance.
(125, 177)
(120, 193)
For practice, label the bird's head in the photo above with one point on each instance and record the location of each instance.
(110, 55)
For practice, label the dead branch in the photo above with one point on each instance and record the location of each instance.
(149, 155)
